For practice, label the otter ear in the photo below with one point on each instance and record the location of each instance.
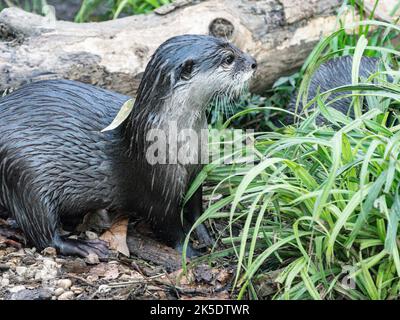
(186, 69)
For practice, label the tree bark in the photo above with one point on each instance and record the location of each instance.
(113, 54)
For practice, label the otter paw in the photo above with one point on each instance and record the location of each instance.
(204, 236)
(83, 248)
(190, 251)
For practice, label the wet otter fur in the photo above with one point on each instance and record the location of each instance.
(332, 74)
(56, 163)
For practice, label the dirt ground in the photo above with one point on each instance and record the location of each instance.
(150, 271)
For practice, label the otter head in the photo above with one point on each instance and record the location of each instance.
(193, 69)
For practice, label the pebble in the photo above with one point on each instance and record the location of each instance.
(49, 251)
(92, 259)
(30, 251)
(59, 292)
(4, 282)
(92, 278)
(91, 235)
(60, 260)
(48, 272)
(78, 291)
(11, 250)
(28, 260)
(65, 283)
(32, 294)
(16, 289)
(75, 266)
(69, 295)
(21, 270)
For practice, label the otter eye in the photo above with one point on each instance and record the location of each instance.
(229, 59)
(187, 69)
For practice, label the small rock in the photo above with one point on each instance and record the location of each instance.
(59, 292)
(91, 235)
(32, 294)
(60, 260)
(49, 251)
(65, 283)
(76, 290)
(21, 270)
(4, 282)
(11, 250)
(92, 278)
(104, 288)
(16, 289)
(75, 266)
(30, 251)
(29, 260)
(69, 295)
(30, 273)
(4, 267)
(92, 259)
(49, 270)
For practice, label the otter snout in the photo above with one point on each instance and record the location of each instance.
(248, 66)
(253, 63)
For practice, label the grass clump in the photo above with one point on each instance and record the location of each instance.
(319, 211)
(93, 10)
(35, 6)
(114, 8)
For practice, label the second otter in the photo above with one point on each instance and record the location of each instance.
(332, 74)
(55, 162)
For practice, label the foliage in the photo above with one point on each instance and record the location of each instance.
(28, 5)
(93, 10)
(319, 210)
(114, 8)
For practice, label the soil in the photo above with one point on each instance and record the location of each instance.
(152, 271)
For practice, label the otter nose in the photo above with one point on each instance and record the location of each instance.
(253, 63)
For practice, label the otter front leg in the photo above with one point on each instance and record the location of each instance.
(4, 214)
(193, 210)
(40, 223)
(169, 229)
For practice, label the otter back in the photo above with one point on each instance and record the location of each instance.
(53, 154)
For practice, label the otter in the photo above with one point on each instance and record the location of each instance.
(329, 75)
(56, 164)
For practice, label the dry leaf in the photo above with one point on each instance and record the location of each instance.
(108, 271)
(223, 295)
(98, 220)
(224, 276)
(123, 113)
(116, 236)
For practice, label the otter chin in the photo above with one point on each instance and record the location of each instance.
(56, 164)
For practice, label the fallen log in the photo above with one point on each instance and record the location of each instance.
(113, 54)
